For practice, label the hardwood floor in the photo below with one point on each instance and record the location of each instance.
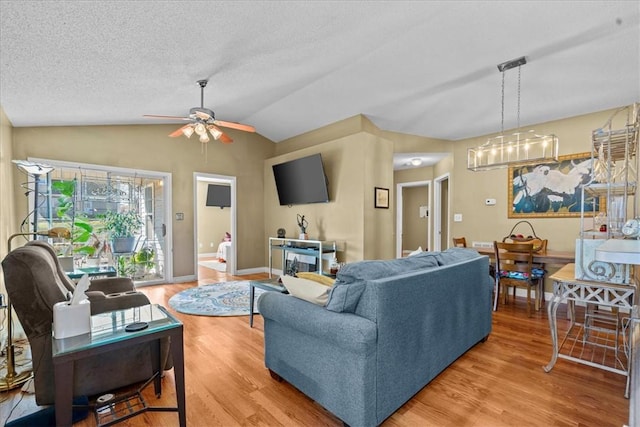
(498, 383)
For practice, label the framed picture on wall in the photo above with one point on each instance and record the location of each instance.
(552, 190)
(381, 198)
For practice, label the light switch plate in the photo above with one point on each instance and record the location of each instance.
(179, 216)
(457, 217)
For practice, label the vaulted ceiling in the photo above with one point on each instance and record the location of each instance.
(286, 67)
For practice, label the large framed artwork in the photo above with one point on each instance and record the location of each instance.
(552, 190)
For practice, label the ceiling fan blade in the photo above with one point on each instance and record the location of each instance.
(234, 125)
(178, 132)
(225, 139)
(154, 116)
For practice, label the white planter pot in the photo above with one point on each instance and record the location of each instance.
(120, 245)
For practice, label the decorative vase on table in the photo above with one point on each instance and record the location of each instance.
(302, 223)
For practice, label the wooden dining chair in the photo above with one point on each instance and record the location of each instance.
(514, 267)
(459, 242)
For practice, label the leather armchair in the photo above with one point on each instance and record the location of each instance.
(35, 282)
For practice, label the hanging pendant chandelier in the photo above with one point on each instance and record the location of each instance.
(520, 147)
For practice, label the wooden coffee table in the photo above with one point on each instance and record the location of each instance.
(267, 285)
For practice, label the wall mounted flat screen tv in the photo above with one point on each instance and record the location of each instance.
(301, 181)
(219, 195)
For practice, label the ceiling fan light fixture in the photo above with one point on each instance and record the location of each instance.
(200, 129)
(188, 131)
(204, 138)
(215, 132)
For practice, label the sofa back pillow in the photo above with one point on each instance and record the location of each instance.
(351, 278)
(308, 290)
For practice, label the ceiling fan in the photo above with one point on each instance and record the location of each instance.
(201, 120)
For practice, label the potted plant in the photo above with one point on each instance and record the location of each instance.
(143, 260)
(122, 228)
(80, 230)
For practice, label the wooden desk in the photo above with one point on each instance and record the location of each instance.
(547, 257)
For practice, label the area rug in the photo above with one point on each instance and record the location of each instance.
(214, 265)
(215, 299)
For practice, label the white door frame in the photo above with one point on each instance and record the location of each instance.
(399, 230)
(220, 179)
(437, 210)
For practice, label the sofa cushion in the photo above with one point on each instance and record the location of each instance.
(455, 255)
(307, 290)
(352, 278)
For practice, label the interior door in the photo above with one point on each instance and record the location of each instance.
(413, 217)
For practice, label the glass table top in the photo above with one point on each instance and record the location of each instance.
(107, 328)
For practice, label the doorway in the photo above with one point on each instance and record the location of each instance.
(441, 212)
(413, 227)
(211, 223)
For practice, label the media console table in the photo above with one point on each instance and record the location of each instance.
(315, 248)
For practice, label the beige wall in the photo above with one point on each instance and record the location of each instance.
(148, 147)
(357, 157)
(7, 213)
(488, 223)
(416, 234)
(213, 222)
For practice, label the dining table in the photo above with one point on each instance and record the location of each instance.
(546, 257)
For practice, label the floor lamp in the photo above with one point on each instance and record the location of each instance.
(14, 379)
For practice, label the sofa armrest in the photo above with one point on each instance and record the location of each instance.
(101, 302)
(112, 285)
(346, 330)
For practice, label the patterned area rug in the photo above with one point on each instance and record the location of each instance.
(216, 299)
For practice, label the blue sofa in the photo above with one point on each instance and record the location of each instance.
(388, 329)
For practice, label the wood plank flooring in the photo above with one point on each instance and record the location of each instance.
(498, 383)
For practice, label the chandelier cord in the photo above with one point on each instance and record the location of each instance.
(518, 122)
(502, 113)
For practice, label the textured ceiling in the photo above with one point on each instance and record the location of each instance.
(288, 67)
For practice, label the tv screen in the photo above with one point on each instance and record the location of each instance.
(219, 195)
(301, 181)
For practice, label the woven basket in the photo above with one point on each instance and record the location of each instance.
(539, 245)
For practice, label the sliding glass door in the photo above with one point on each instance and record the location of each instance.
(80, 197)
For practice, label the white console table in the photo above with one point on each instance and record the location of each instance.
(583, 342)
(316, 248)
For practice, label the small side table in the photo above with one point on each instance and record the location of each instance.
(267, 285)
(93, 272)
(108, 334)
